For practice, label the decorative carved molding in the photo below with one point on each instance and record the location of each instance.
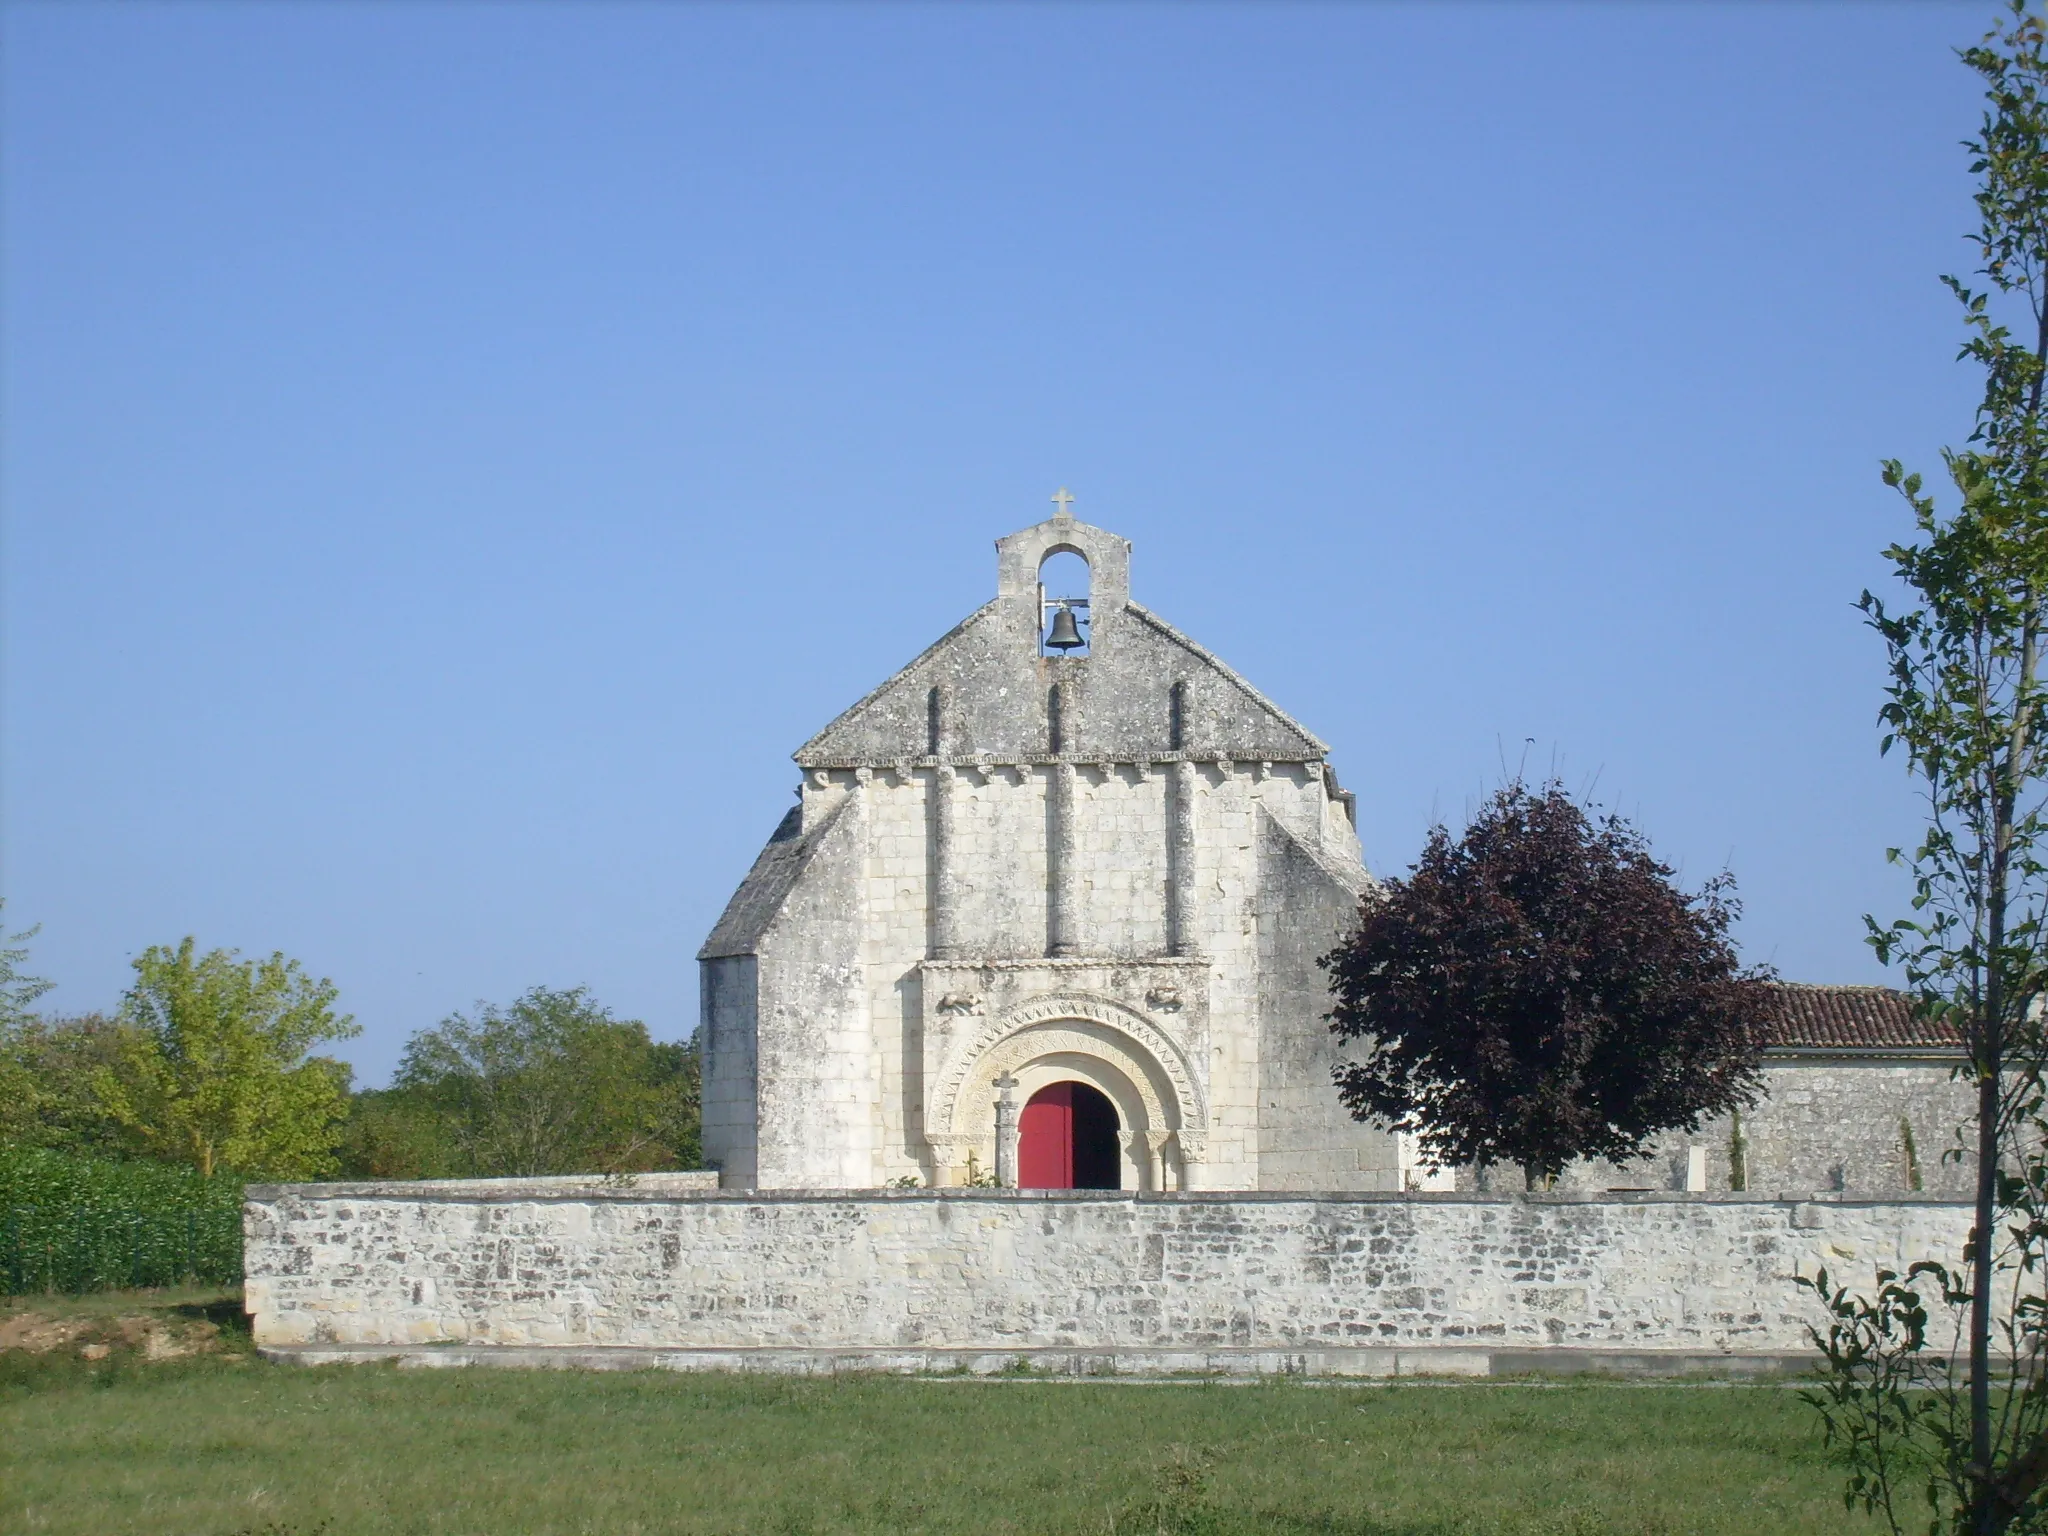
(1126, 1069)
(1244, 752)
(1181, 965)
(1030, 1030)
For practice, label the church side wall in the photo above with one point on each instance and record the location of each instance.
(1307, 1139)
(728, 1000)
(394, 1265)
(1231, 897)
(1226, 890)
(814, 1055)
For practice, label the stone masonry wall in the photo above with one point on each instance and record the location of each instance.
(1828, 1123)
(383, 1265)
(1307, 1139)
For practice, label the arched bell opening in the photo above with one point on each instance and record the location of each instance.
(1067, 1139)
(1065, 585)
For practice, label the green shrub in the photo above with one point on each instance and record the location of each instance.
(70, 1223)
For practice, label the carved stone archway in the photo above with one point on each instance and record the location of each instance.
(1091, 1039)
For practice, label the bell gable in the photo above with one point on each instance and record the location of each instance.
(999, 686)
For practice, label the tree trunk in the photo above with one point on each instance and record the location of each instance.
(1990, 1513)
(1983, 1237)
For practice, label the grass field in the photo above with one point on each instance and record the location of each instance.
(217, 1443)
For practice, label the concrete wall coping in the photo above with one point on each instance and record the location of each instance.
(585, 1190)
(1117, 1363)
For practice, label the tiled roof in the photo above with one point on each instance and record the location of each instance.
(759, 899)
(1853, 1018)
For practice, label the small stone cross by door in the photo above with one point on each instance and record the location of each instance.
(1006, 1132)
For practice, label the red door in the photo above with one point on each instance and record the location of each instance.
(1066, 1139)
(1045, 1139)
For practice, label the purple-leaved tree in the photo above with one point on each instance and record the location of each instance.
(1540, 991)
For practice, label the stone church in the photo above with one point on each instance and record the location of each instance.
(1047, 914)
(1066, 870)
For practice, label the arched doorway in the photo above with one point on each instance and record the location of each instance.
(1066, 1139)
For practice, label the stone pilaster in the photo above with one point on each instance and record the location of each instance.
(944, 872)
(1062, 869)
(1180, 860)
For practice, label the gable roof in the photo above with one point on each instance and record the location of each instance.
(831, 742)
(768, 884)
(992, 680)
(1810, 1017)
(1314, 742)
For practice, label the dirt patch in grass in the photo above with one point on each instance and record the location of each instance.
(150, 1327)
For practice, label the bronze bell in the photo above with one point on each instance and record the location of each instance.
(1065, 634)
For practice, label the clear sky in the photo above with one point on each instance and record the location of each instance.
(453, 455)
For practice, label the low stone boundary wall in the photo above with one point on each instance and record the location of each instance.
(528, 1272)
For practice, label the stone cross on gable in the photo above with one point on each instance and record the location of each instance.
(1064, 500)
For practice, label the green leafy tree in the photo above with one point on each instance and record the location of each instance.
(49, 1075)
(45, 1066)
(18, 992)
(552, 1084)
(1964, 704)
(214, 1069)
(399, 1133)
(1539, 991)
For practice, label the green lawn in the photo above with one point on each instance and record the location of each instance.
(224, 1444)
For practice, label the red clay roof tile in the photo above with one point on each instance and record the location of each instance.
(1853, 1018)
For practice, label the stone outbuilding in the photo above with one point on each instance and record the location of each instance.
(1861, 1098)
(1047, 912)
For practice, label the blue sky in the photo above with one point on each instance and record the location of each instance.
(454, 454)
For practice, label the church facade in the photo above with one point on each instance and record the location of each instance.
(1047, 914)
(1047, 911)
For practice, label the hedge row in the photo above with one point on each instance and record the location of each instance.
(95, 1224)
